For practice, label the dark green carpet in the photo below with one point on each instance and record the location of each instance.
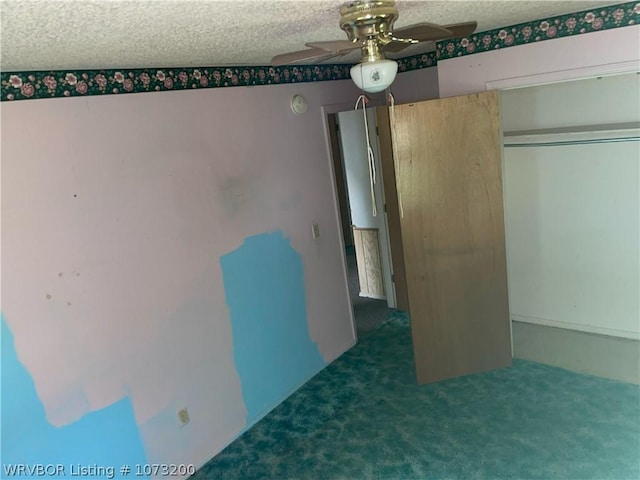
(364, 417)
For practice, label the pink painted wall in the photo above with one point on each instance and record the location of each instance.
(581, 53)
(416, 85)
(115, 211)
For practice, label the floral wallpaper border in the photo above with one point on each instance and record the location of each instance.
(62, 83)
(416, 62)
(76, 83)
(587, 21)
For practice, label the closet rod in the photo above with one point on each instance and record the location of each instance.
(603, 128)
(573, 142)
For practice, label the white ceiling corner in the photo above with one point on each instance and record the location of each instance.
(91, 34)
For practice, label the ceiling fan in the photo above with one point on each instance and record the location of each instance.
(369, 27)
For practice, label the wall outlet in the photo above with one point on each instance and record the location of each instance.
(183, 416)
(315, 230)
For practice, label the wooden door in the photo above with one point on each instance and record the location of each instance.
(449, 182)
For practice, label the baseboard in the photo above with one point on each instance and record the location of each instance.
(601, 355)
(581, 327)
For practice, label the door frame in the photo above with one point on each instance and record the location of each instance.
(352, 137)
(325, 111)
(392, 207)
(334, 109)
(341, 179)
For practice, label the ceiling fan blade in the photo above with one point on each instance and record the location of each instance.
(422, 32)
(395, 47)
(299, 56)
(314, 54)
(335, 45)
(460, 30)
(318, 52)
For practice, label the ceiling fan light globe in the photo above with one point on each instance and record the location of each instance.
(373, 77)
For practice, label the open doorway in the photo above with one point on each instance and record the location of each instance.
(363, 219)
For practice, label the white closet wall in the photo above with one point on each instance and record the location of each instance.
(572, 211)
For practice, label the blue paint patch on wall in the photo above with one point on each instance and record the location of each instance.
(100, 440)
(264, 287)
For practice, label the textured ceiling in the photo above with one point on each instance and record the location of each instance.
(86, 34)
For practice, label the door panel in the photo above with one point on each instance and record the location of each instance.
(450, 185)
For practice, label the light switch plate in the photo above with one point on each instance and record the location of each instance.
(315, 230)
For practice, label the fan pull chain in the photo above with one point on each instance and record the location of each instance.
(370, 156)
(396, 164)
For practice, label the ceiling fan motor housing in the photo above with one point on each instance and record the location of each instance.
(367, 19)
